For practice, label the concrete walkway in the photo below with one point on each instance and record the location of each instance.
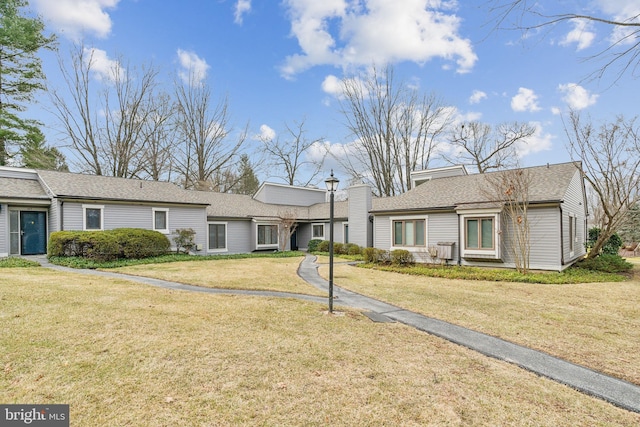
(618, 392)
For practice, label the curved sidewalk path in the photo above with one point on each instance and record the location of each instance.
(618, 392)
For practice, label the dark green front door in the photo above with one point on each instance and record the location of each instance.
(33, 233)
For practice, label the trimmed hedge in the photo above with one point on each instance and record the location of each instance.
(108, 245)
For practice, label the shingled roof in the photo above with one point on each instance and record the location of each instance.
(223, 205)
(18, 188)
(93, 187)
(548, 184)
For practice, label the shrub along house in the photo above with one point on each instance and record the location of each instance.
(447, 216)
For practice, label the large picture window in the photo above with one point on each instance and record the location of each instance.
(409, 232)
(479, 233)
(217, 237)
(267, 234)
(93, 217)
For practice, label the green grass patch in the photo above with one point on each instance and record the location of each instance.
(341, 256)
(79, 262)
(15, 262)
(570, 275)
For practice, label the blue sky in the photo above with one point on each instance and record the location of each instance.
(278, 61)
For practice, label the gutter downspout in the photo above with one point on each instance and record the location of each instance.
(61, 216)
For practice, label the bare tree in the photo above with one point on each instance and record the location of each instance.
(485, 147)
(78, 116)
(287, 226)
(128, 107)
(510, 188)
(611, 166)
(159, 131)
(204, 131)
(396, 128)
(291, 154)
(105, 127)
(623, 50)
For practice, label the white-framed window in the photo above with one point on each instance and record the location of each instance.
(267, 235)
(217, 236)
(317, 231)
(480, 234)
(161, 220)
(92, 217)
(408, 232)
(573, 234)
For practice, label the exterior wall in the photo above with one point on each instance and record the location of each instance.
(140, 216)
(574, 205)
(418, 177)
(360, 229)
(238, 235)
(381, 232)
(545, 240)
(441, 227)
(304, 235)
(4, 230)
(278, 194)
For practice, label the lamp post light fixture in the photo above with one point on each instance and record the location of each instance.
(332, 185)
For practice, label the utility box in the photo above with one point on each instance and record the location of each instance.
(445, 250)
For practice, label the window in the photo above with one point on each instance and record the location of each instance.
(218, 236)
(267, 234)
(317, 231)
(479, 233)
(409, 232)
(93, 217)
(572, 233)
(161, 220)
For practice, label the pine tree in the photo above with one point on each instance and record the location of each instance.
(36, 154)
(21, 73)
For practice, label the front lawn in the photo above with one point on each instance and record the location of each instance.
(121, 353)
(593, 324)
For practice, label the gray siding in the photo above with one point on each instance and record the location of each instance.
(294, 196)
(544, 250)
(574, 205)
(4, 230)
(304, 235)
(140, 216)
(238, 236)
(360, 229)
(381, 232)
(443, 227)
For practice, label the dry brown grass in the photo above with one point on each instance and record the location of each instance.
(272, 274)
(122, 353)
(595, 325)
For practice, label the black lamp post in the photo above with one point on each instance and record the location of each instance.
(332, 185)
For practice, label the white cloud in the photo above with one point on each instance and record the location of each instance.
(577, 97)
(539, 141)
(622, 11)
(477, 96)
(194, 69)
(525, 100)
(581, 34)
(104, 68)
(333, 86)
(347, 34)
(266, 133)
(74, 18)
(242, 7)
